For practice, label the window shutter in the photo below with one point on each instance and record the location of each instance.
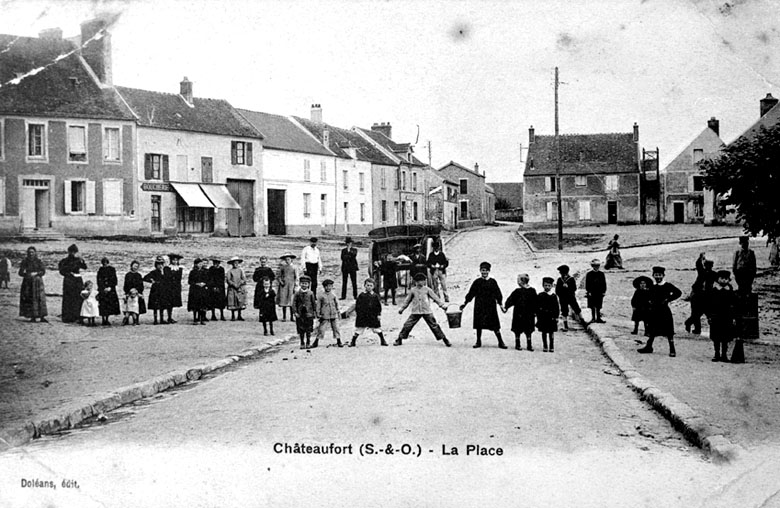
(233, 153)
(2, 194)
(165, 170)
(112, 197)
(68, 199)
(106, 155)
(249, 154)
(147, 166)
(90, 196)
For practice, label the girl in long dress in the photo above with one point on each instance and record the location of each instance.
(198, 299)
(614, 259)
(32, 297)
(174, 288)
(134, 280)
(287, 278)
(158, 295)
(236, 289)
(106, 288)
(216, 289)
(70, 268)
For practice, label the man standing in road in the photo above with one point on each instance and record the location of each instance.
(312, 262)
(419, 265)
(349, 268)
(744, 267)
(437, 264)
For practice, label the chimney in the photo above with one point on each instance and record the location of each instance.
(714, 124)
(767, 103)
(531, 135)
(316, 113)
(476, 168)
(51, 34)
(636, 133)
(384, 128)
(185, 89)
(97, 52)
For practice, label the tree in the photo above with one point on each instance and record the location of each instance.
(503, 204)
(747, 176)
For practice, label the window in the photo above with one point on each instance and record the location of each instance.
(323, 205)
(193, 220)
(584, 210)
(403, 180)
(323, 171)
(2, 195)
(580, 180)
(414, 182)
(395, 211)
(414, 211)
(384, 210)
(362, 212)
(698, 209)
(306, 170)
(552, 210)
(346, 213)
(464, 186)
(79, 196)
(549, 183)
(612, 182)
(156, 167)
(383, 178)
(698, 183)
(36, 140)
(156, 213)
(404, 211)
(464, 210)
(362, 180)
(397, 179)
(240, 153)
(111, 145)
(307, 205)
(345, 177)
(77, 143)
(698, 155)
(112, 197)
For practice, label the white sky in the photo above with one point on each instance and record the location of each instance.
(472, 74)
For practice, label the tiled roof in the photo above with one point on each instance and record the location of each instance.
(62, 88)
(462, 168)
(583, 154)
(392, 146)
(281, 133)
(770, 118)
(341, 139)
(170, 111)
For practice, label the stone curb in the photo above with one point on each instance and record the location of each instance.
(63, 419)
(682, 417)
(651, 244)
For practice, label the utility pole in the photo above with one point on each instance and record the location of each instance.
(558, 168)
(425, 185)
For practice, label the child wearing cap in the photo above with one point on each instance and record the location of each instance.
(304, 307)
(566, 289)
(595, 287)
(216, 289)
(722, 303)
(368, 309)
(547, 310)
(327, 311)
(640, 302)
(418, 298)
(486, 295)
(261, 273)
(523, 299)
(198, 299)
(236, 289)
(661, 321)
(266, 305)
(174, 287)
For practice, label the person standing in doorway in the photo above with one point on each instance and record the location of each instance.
(744, 267)
(437, 264)
(312, 262)
(72, 284)
(349, 268)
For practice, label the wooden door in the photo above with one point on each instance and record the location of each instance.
(276, 212)
(42, 218)
(206, 169)
(612, 212)
(241, 222)
(679, 212)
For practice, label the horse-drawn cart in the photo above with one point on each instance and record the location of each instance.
(399, 242)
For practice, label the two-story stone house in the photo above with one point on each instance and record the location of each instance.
(472, 195)
(599, 178)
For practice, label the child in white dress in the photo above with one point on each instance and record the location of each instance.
(131, 307)
(89, 307)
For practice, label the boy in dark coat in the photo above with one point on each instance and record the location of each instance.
(566, 289)
(640, 302)
(265, 303)
(547, 310)
(595, 287)
(368, 309)
(660, 319)
(705, 278)
(216, 287)
(523, 299)
(198, 300)
(418, 298)
(304, 307)
(486, 295)
(722, 304)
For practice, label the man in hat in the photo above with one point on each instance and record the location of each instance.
(304, 307)
(418, 263)
(595, 288)
(661, 321)
(486, 295)
(437, 263)
(566, 289)
(418, 298)
(744, 266)
(312, 262)
(349, 268)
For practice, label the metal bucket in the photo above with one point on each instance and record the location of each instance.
(453, 317)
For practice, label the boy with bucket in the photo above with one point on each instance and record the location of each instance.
(421, 309)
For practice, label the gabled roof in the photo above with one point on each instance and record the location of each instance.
(170, 111)
(707, 140)
(770, 118)
(583, 154)
(399, 149)
(460, 167)
(342, 139)
(59, 88)
(281, 133)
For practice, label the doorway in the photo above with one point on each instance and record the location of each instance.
(276, 212)
(242, 222)
(612, 212)
(42, 215)
(678, 208)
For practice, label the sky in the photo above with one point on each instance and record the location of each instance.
(469, 77)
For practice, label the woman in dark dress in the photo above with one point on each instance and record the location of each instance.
(72, 284)
(217, 294)
(198, 300)
(660, 319)
(134, 280)
(32, 297)
(486, 295)
(174, 286)
(106, 288)
(158, 295)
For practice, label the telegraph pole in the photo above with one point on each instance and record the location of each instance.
(558, 168)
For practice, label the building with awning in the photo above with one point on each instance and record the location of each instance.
(196, 204)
